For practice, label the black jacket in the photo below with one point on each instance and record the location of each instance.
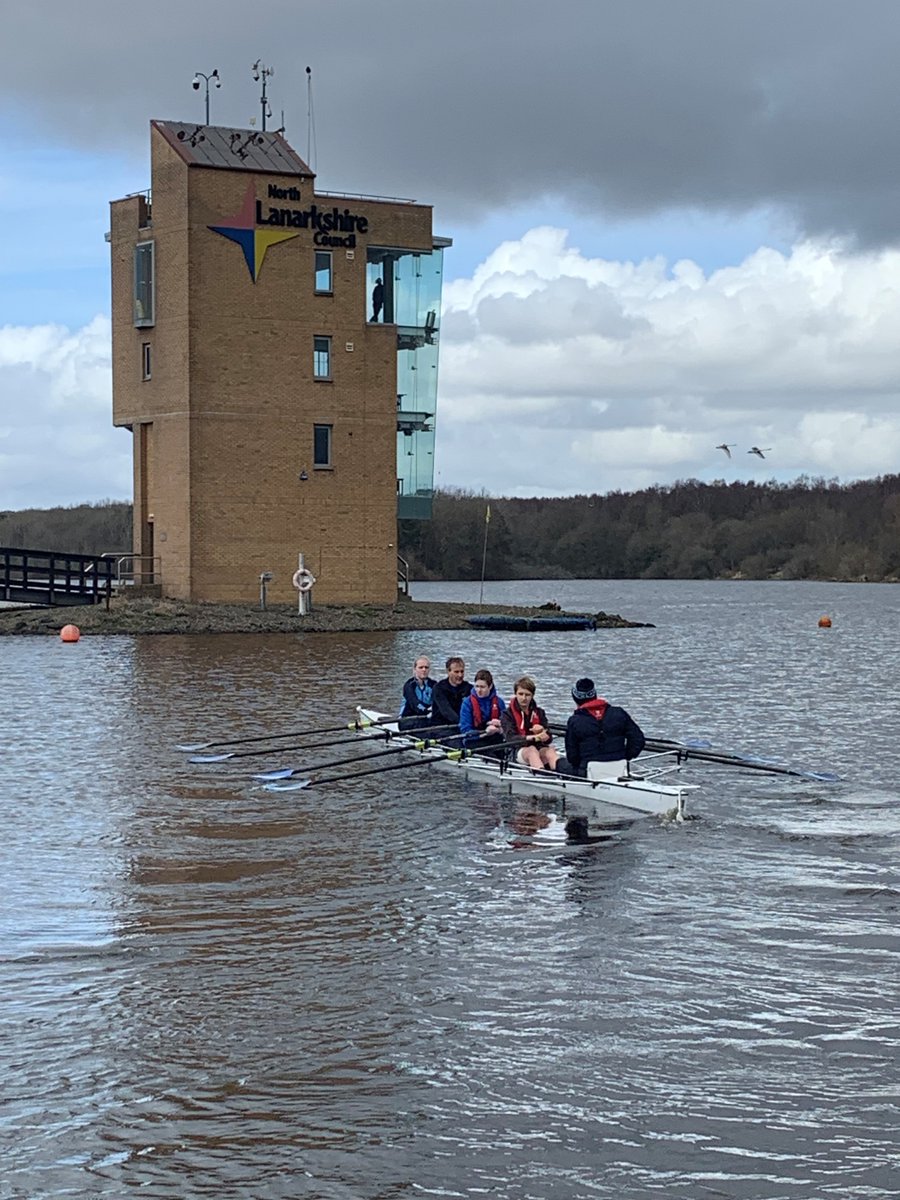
(446, 701)
(614, 737)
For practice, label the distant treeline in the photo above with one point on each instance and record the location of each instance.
(77, 529)
(808, 529)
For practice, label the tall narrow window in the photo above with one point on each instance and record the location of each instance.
(322, 358)
(322, 446)
(323, 272)
(146, 361)
(144, 300)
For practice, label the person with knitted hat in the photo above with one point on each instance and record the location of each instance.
(601, 738)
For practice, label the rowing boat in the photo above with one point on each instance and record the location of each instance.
(600, 804)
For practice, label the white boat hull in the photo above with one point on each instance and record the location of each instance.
(604, 803)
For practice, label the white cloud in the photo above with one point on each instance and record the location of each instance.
(554, 364)
(56, 411)
(562, 373)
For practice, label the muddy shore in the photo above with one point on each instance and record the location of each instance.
(142, 615)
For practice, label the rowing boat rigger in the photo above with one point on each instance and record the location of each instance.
(597, 804)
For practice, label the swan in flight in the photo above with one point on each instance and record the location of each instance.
(759, 453)
(726, 446)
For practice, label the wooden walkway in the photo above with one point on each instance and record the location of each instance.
(51, 578)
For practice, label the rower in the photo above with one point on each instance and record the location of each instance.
(418, 695)
(449, 693)
(601, 738)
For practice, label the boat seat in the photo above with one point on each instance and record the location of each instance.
(607, 770)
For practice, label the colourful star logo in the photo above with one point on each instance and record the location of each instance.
(254, 242)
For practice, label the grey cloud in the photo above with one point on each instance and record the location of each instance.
(617, 108)
(562, 310)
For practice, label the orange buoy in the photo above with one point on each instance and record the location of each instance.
(70, 633)
(824, 622)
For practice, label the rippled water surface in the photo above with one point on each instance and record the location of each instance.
(390, 988)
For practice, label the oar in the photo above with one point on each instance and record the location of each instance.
(229, 754)
(271, 737)
(387, 734)
(450, 755)
(288, 772)
(686, 750)
(699, 749)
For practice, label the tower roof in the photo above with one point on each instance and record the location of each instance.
(232, 149)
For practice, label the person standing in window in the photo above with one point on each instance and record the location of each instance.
(377, 299)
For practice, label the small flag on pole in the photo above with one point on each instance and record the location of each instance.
(487, 515)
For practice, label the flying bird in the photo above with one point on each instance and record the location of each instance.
(759, 453)
(726, 446)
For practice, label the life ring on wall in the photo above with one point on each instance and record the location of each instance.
(303, 580)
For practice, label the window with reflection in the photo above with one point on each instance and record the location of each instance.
(321, 357)
(324, 284)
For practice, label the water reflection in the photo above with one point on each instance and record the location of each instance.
(408, 985)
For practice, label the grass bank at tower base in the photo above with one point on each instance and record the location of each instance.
(144, 615)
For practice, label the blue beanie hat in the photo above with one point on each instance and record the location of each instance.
(584, 690)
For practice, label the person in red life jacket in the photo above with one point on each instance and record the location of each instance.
(600, 733)
(524, 719)
(480, 712)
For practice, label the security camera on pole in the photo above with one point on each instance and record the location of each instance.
(198, 75)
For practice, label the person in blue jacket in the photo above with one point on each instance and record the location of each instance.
(480, 712)
(600, 733)
(418, 694)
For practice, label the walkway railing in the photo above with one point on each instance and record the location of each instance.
(133, 569)
(402, 575)
(49, 577)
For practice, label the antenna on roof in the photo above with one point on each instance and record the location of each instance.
(311, 147)
(262, 72)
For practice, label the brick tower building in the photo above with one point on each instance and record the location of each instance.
(275, 357)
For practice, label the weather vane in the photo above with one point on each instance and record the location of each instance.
(262, 72)
(198, 75)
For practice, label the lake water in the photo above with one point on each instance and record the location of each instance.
(388, 989)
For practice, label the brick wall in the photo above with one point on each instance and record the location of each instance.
(230, 407)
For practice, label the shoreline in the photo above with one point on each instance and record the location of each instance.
(141, 615)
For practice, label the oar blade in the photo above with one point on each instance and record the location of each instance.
(210, 758)
(295, 786)
(194, 747)
(266, 776)
(820, 776)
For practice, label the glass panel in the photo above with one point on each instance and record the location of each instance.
(323, 271)
(403, 287)
(322, 358)
(321, 445)
(143, 284)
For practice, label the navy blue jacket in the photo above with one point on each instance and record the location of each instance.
(417, 699)
(614, 737)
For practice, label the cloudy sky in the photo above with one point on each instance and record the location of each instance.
(676, 223)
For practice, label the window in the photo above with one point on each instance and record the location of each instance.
(146, 361)
(321, 446)
(144, 311)
(323, 272)
(322, 358)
